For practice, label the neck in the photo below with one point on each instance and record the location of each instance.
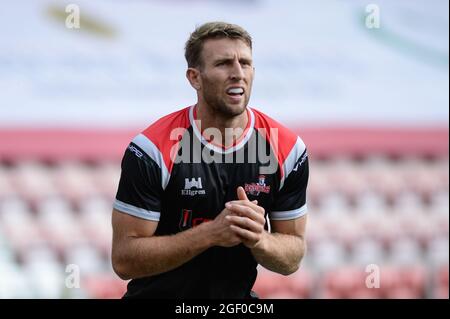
(210, 118)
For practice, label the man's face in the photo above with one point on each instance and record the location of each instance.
(226, 75)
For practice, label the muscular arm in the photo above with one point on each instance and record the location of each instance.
(282, 250)
(137, 253)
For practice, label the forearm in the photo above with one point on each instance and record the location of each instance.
(147, 256)
(280, 253)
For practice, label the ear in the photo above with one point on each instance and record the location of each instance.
(193, 76)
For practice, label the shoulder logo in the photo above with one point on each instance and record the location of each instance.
(134, 150)
(193, 187)
(301, 161)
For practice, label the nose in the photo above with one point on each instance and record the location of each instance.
(237, 73)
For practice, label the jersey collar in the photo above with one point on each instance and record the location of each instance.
(219, 148)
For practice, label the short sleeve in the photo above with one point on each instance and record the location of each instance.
(290, 201)
(139, 192)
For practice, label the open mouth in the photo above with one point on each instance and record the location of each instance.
(235, 91)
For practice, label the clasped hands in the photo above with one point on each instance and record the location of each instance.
(241, 221)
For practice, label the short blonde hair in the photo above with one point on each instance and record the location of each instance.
(212, 30)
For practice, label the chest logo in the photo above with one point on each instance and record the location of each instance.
(256, 188)
(193, 187)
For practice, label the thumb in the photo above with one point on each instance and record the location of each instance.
(241, 193)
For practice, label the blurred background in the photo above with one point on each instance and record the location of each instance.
(371, 103)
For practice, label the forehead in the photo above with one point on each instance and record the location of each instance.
(225, 48)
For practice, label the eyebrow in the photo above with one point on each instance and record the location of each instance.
(225, 59)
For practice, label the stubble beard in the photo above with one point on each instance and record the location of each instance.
(219, 106)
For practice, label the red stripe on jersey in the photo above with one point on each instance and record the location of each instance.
(166, 134)
(282, 142)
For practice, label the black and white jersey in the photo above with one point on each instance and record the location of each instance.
(174, 175)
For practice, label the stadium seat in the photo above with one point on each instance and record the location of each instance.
(104, 286)
(269, 283)
(390, 280)
(12, 205)
(7, 189)
(367, 251)
(438, 251)
(327, 254)
(44, 271)
(441, 282)
(370, 202)
(106, 179)
(302, 283)
(33, 181)
(408, 201)
(14, 283)
(75, 182)
(87, 258)
(405, 251)
(415, 280)
(343, 282)
(439, 202)
(59, 224)
(95, 220)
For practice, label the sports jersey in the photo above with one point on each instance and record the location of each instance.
(173, 174)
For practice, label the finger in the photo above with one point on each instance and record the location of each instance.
(247, 236)
(252, 204)
(246, 223)
(247, 212)
(241, 193)
(246, 208)
(247, 203)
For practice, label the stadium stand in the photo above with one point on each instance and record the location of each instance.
(387, 211)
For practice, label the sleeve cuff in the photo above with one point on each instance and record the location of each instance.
(288, 214)
(136, 211)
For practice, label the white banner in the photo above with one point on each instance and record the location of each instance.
(121, 63)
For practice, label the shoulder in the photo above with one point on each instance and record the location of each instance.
(160, 137)
(287, 144)
(160, 131)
